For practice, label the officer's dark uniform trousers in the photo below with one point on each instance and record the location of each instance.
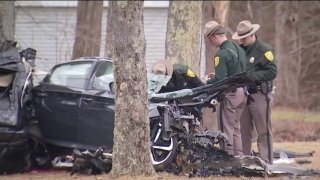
(230, 109)
(255, 113)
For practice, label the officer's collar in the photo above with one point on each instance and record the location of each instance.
(224, 44)
(252, 45)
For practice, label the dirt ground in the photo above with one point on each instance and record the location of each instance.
(299, 132)
(64, 175)
(61, 174)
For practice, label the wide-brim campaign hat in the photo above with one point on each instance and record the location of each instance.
(244, 29)
(162, 67)
(212, 28)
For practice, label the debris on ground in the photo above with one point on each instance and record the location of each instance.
(199, 156)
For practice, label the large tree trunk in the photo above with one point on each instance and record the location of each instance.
(88, 29)
(183, 39)
(131, 150)
(7, 22)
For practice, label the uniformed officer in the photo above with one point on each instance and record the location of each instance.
(261, 69)
(228, 61)
(181, 76)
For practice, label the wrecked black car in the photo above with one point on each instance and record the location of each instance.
(74, 108)
(14, 96)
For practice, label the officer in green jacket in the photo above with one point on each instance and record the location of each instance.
(228, 61)
(181, 76)
(261, 69)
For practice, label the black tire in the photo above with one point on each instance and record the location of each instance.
(163, 158)
(40, 156)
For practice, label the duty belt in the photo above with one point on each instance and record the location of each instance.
(232, 89)
(253, 89)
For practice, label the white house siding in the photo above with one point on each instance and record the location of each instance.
(51, 30)
(155, 27)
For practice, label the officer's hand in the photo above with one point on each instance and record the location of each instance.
(207, 77)
(211, 75)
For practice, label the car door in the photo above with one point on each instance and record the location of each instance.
(57, 102)
(97, 109)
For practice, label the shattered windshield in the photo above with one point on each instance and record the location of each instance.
(155, 82)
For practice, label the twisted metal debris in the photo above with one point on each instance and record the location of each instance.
(198, 156)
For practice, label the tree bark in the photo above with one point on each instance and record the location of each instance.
(239, 11)
(88, 29)
(183, 38)
(297, 44)
(222, 12)
(109, 45)
(208, 15)
(209, 118)
(308, 61)
(286, 40)
(131, 150)
(7, 21)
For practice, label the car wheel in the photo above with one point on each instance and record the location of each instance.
(163, 152)
(40, 156)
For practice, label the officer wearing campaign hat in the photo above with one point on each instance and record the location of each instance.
(228, 61)
(261, 69)
(181, 76)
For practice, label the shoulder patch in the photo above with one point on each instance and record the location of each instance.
(190, 73)
(216, 61)
(269, 55)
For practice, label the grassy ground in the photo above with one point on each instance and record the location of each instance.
(295, 125)
(280, 113)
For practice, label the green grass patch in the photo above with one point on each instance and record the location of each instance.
(280, 113)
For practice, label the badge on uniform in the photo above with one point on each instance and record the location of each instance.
(269, 55)
(216, 61)
(251, 60)
(190, 73)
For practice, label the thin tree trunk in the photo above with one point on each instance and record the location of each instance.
(208, 15)
(7, 22)
(131, 150)
(183, 39)
(286, 40)
(222, 12)
(88, 29)
(109, 45)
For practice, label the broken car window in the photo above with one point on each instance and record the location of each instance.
(71, 75)
(104, 76)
